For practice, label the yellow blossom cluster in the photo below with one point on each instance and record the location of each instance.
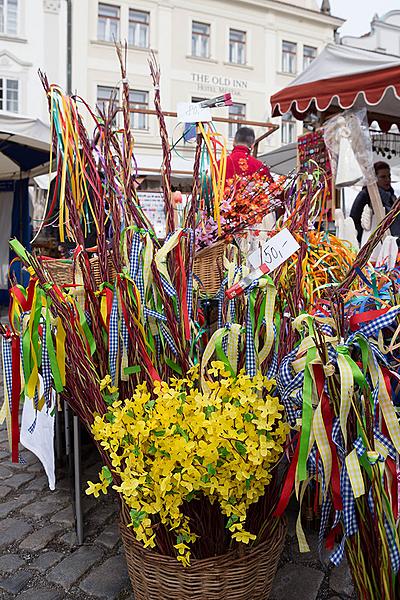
(176, 442)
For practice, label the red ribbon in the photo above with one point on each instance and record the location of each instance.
(328, 421)
(289, 482)
(365, 317)
(15, 397)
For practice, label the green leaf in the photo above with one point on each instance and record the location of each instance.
(107, 474)
(223, 452)
(205, 478)
(110, 417)
(132, 369)
(149, 404)
(137, 517)
(211, 469)
(159, 433)
(182, 432)
(232, 519)
(248, 481)
(208, 410)
(248, 417)
(110, 398)
(241, 448)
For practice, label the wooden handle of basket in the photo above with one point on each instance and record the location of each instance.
(376, 202)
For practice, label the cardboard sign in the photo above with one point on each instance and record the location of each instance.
(274, 251)
(270, 256)
(193, 112)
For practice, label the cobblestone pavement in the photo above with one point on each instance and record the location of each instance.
(40, 560)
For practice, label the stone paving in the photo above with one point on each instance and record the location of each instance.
(40, 559)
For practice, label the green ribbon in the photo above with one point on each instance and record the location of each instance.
(86, 329)
(52, 353)
(307, 410)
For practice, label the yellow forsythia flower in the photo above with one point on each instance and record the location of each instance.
(174, 443)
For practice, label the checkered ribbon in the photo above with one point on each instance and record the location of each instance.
(189, 289)
(372, 328)
(46, 370)
(386, 443)
(7, 367)
(169, 289)
(169, 339)
(251, 358)
(154, 314)
(113, 338)
(135, 265)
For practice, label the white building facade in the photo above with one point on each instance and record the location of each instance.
(32, 37)
(383, 37)
(250, 48)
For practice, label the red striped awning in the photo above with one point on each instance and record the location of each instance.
(345, 77)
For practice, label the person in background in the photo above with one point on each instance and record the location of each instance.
(361, 211)
(240, 162)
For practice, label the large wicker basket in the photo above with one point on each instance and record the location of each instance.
(209, 267)
(226, 577)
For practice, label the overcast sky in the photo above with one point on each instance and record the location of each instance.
(359, 13)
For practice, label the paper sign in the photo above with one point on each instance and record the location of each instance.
(153, 205)
(274, 251)
(193, 112)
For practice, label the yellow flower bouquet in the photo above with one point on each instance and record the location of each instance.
(189, 460)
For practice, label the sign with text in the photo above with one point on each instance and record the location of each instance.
(153, 205)
(274, 251)
(193, 112)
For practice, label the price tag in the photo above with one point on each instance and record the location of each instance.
(275, 251)
(193, 112)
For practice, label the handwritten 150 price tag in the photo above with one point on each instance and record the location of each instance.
(274, 251)
(193, 112)
(264, 260)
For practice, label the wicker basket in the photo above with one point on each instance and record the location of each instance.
(226, 577)
(62, 270)
(95, 268)
(209, 267)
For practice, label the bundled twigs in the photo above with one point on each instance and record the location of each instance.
(166, 165)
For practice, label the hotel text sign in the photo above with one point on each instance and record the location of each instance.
(218, 84)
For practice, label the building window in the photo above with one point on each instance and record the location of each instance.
(289, 57)
(236, 111)
(288, 129)
(200, 39)
(107, 101)
(309, 53)
(237, 47)
(108, 22)
(139, 28)
(139, 99)
(9, 16)
(9, 95)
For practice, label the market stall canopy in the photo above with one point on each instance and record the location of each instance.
(24, 147)
(283, 160)
(345, 77)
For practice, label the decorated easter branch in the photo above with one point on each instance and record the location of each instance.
(201, 360)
